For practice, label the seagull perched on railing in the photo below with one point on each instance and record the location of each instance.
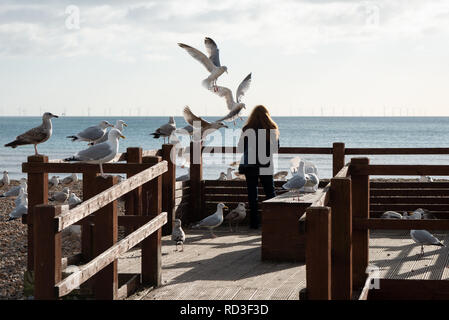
(100, 153)
(165, 130)
(119, 124)
(212, 221)
(93, 133)
(211, 63)
(425, 238)
(36, 135)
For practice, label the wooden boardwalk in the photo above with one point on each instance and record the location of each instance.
(229, 266)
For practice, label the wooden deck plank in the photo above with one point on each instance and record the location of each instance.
(229, 266)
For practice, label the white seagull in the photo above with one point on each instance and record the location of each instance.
(235, 106)
(391, 215)
(178, 234)
(19, 210)
(5, 179)
(206, 126)
(61, 196)
(73, 200)
(424, 237)
(15, 191)
(165, 130)
(100, 153)
(36, 135)
(53, 182)
(70, 179)
(212, 221)
(93, 133)
(211, 63)
(119, 124)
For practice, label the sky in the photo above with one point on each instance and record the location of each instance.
(307, 58)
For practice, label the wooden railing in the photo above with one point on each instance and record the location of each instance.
(149, 192)
(338, 234)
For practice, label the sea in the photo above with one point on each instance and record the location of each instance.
(294, 132)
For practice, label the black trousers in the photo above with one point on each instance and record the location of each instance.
(252, 182)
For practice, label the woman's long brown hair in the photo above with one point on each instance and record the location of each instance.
(260, 119)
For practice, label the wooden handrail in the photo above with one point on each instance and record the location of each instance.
(120, 156)
(393, 224)
(392, 151)
(400, 170)
(94, 266)
(65, 167)
(88, 207)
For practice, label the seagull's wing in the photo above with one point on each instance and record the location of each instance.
(189, 117)
(96, 152)
(210, 221)
(424, 236)
(243, 87)
(296, 182)
(33, 135)
(227, 94)
(92, 133)
(167, 129)
(232, 114)
(234, 214)
(199, 56)
(212, 50)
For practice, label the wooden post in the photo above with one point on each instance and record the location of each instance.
(196, 177)
(89, 191)
(151, 246)
(47, 252)
(168, 187)
(360, 238)
(133, 203)
(340, 200)
(37, 194)
(318, 253)
(105, 236)
(338, 157)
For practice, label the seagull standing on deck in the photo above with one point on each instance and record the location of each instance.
(36, 135)
(211, 63)
(100, 153)
(212, 221)
(93, 133)
(424, 237)
(236, 215)
(165, 130)
(178, 235)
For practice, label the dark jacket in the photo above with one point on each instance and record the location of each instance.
(257, 158)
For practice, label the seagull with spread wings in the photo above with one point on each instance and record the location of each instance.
(211, 63)
(235, 106)
(206, 126)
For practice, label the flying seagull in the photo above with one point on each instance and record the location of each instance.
(211, 63)
(100, 153)
(36, 135)
(93, 133)
(206, 126)
(235, 106)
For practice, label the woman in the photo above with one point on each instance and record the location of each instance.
(258, 142)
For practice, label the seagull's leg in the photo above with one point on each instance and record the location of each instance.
(212, 234)
(35, 150)
(182, 246)
(230, 226)
(422, 249)
(101, 171)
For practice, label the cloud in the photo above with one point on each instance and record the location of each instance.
(147, 30)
